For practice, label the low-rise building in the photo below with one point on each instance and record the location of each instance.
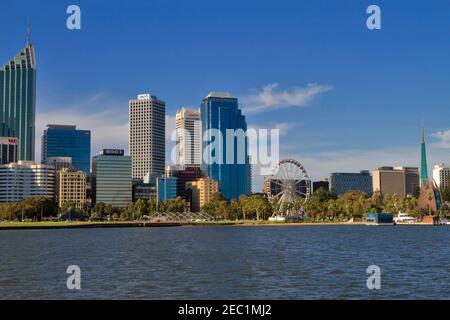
(24, 179)
(166, 188)
(71, 187)
(202, 192)
(183, 175)
(323, 184)
(401, 181)
(341, 182)
(59, 162)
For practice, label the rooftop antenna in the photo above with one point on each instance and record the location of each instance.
(423, 132)
(28, 32)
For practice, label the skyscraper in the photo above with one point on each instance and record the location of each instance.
(423, 167)
(189, 137)
(220, 111)
(65, 141)
(147, 136)
(8, 150)
(111, 178)
(18, 101)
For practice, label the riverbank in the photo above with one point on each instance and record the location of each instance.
(93, 225)
(81, 225)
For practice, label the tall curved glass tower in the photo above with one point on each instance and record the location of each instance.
(18, 101)
(220, 111)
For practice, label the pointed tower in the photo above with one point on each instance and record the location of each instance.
(424, 166)
(18, 100)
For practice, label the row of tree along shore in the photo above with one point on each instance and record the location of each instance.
(322, 206)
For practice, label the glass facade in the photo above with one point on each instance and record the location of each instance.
(18, 101)
(342, 182)
(66, 141)
(166, 188)
(111, 179)
(221, 111)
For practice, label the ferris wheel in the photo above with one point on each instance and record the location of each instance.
(288, 183)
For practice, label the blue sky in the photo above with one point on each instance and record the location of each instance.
(372, 88)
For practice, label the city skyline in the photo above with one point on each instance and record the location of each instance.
(305, 105)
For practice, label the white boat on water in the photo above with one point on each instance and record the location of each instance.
(404, 218)
(277, 219)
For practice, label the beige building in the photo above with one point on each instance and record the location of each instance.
(71, 187)
(401, 181)
(147, 136)
(202, 192)
(189, 137)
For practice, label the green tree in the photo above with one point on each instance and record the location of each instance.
(140, 208)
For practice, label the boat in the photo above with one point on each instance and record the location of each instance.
(379, 219)
(277, 218)
(404, 218)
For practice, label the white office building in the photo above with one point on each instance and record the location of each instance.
(26, 179)
(147, 136)
(189, 137)
(441, 175)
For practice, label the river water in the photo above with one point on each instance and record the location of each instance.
(307, 262)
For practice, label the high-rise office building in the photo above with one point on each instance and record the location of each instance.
(71, 187)
(18, 101)
(24, 179)
(221, 112)
(8, 149)
(441, 175)
(111, 178)
(67, 141)
(147, 136)
(341, 182)
(189, 137)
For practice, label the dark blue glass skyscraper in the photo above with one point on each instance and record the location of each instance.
(221, 111)
(67, 141)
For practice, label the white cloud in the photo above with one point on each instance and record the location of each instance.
(443, 138)
(319, 165)
(270, 98)
(108, 129)
(284, 127)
